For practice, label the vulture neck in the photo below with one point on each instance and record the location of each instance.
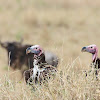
(94, 57)
(41, 59)
(38, 61)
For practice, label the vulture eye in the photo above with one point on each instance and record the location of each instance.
(91, 47)
(35, 48)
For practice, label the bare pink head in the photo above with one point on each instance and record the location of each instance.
(36, 50)
(91, 49)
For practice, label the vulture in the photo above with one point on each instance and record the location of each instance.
(18, 56)
(42, 70)
(95, 60)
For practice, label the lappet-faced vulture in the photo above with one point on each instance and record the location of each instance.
(41, 70)
(95, 60)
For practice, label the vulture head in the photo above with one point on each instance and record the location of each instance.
(36, 50)
(91, 49)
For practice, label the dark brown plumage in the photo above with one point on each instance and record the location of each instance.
(96, 63)
(48, 72)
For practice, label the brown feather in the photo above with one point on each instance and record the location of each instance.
(47, 73)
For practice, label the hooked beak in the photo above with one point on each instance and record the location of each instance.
(28, 50)
(31, 50)
(84, 49)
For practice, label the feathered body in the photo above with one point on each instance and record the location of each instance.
(41, 71)
(46, 71)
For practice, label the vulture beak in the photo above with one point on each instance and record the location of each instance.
(28, 50)
(33, 50)
(84, 49)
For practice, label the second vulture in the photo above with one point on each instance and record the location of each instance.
(95, 60)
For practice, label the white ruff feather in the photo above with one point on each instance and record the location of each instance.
(36, 69)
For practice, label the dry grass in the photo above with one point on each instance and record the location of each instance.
(61, 26)
(69, 83)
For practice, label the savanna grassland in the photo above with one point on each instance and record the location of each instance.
(60, 26)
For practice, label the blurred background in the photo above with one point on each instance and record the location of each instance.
(60, 26)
